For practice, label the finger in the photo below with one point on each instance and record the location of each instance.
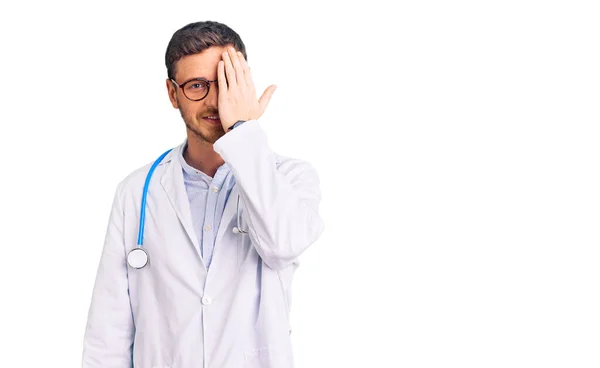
(229, 71)
(246, 68)
(237, 66)
(263, 101)
(221, 76)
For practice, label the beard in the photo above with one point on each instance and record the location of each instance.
(200, 128)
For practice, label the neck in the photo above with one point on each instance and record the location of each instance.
(200, 155)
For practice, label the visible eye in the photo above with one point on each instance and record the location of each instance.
(197, 85)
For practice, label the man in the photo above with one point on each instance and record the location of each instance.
(225, 221)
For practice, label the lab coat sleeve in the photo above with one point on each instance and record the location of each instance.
(281, 204)
(109, 333)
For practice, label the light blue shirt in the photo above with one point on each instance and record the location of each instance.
(207, 197)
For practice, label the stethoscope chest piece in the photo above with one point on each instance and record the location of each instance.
(137, 258)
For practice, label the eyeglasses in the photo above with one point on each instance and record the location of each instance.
(195, 89)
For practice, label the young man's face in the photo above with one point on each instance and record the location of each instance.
(195, 113)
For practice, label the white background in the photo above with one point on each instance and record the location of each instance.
(457, 145)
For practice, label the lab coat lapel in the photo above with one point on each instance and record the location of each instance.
(172, 182)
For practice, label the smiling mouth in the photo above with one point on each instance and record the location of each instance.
(214, 119)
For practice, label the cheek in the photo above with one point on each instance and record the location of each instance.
(186, 110)
(191, 110)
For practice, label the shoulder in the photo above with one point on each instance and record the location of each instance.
(134, 181)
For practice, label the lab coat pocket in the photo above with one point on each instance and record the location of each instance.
(267, 357)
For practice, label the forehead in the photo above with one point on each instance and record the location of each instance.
(203, 64)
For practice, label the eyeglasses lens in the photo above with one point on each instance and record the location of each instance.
(196, 89)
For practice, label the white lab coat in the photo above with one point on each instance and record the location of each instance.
(173, 313)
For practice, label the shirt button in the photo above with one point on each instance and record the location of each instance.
(206, 300)
(207, 228)
(215, 189)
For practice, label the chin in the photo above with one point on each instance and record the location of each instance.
(205, 132)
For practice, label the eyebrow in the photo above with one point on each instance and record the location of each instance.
(190, 79)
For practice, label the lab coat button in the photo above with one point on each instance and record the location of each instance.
(206, 300)
(215, 189)
(207, 227)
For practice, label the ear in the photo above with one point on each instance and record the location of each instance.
(172, 93)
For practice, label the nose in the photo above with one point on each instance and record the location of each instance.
(212, 99)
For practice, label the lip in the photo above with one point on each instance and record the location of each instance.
(212, 121)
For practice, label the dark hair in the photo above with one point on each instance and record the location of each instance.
(197, 37)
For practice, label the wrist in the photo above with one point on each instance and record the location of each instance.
(235, 125)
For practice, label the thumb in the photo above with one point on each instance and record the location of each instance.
(263, 101)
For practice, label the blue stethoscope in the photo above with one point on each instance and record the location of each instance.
(138, 257)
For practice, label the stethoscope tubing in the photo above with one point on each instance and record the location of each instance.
(237, 228)
(140, 241)
(133, 257)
